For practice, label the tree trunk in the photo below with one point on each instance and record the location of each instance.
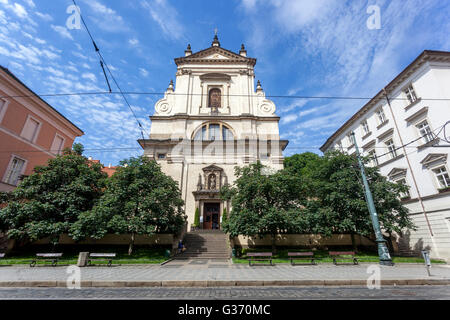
(352, 235)
(274, 248)
(130, 248)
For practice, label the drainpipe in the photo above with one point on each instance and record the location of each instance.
(409, 164)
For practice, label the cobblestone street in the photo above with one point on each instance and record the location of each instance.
(242, 293)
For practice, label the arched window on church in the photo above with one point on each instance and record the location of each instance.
(214, 131)
(215, 98)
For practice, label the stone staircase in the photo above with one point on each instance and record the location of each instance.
(205, 244)
(405, 251)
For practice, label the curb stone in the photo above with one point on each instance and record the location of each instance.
(221, 283)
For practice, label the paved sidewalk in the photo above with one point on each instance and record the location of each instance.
(221, 273)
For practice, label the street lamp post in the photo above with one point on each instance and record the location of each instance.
(383, 252)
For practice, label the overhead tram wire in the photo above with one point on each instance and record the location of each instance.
(123, 93)
(406, 145)
(104, 64)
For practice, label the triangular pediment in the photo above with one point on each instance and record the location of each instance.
(397, 172)
(215, 55)
(434, 157)
(212, 167)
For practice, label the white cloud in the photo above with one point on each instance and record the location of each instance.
(133, 41)
(106, 18)
(289, 118)
(19, 10)
(143, 72)
(89, 76)
(294, 15)
(30, 3)
(40, 41)
(44, 16)
(63, 32)
(55, 72)
(249, 4)
(166, 17)
(79, 55)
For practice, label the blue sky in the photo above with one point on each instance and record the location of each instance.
(306, 48)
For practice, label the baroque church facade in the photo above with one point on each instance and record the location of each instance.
(209, 121)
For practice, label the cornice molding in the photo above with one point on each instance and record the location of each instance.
(214, 117)
(424, 57)
(199, 57)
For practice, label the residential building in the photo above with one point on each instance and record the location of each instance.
(402, 129)
(31, 131)
(211, 121)
(109, 170)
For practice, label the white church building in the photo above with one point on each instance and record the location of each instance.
(211, 120)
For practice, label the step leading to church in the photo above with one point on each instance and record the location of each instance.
(205, 244)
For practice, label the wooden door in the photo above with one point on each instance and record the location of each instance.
(211, 216)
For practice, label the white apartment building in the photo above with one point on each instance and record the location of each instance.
(404, 135)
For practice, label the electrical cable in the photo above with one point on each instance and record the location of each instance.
(199, 94)
(104, 64)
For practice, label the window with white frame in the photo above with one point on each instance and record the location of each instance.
(381, 116)
(58, 144)
(365, 127)
(373, 157)
(2, 108)
(410, 94)
(14, 171)
(350, 138)
(30, 130)
(339, 146)
(405, 194)
(425, 131)
(391, 148)
(442, 177)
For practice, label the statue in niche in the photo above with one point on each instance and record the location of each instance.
(212, 182)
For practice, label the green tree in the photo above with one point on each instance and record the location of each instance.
(197, 218)
(78, 148)
(224, 216)
(264, 204)
(302, 164)
(340, 196)
(139, 199)
(47, 202)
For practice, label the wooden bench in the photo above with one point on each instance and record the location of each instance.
(301, 256)
(265, 256)
(343, 255)
(53, 257)
(101, 257)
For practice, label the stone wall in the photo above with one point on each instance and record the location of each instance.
(309, 240)
(116, 239)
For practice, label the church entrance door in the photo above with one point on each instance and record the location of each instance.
(211, 216)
